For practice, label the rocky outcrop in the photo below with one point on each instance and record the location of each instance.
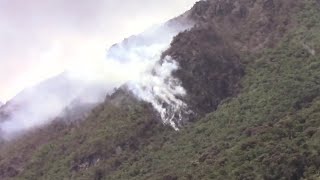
(250, 25)
(211, 54)
(210, 69)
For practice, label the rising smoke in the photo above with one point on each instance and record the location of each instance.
(135, 63)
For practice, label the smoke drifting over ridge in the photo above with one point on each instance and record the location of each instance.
(40, 38)
(135, 63)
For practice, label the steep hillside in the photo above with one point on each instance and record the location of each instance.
(210, 69)
(251, 70)
(46, 101)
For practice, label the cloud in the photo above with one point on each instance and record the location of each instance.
(41, 38)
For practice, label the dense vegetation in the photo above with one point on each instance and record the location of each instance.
(268, 129)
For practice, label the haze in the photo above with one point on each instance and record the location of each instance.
(42, 38)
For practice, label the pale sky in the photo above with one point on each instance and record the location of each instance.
(42, 38)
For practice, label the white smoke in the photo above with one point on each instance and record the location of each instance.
(39, 105)
(136, 63)
(159, 88)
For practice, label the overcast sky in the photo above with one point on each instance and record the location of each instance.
(41, 38)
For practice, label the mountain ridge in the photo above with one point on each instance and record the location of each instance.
(255, 92)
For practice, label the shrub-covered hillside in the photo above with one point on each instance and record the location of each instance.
(252, 72)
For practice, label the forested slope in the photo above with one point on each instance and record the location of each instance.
(251, 69)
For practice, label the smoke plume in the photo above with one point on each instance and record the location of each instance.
(135, 63)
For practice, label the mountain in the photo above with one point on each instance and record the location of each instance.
(46, 101)
(251, 72)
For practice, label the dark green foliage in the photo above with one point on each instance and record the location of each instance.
(270, 130)
(210, 70)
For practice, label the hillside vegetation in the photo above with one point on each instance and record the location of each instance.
(252, 72)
